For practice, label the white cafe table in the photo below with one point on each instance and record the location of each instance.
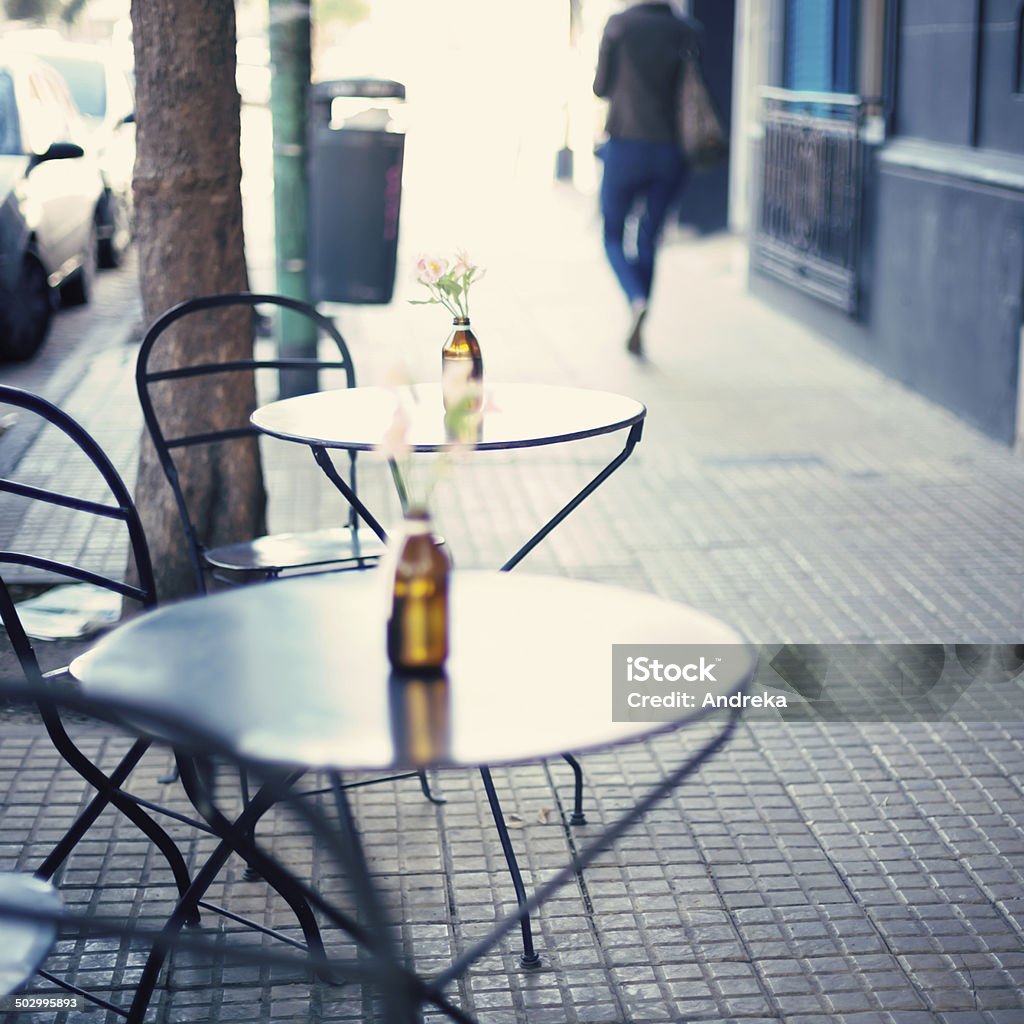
(293, 675)
(514, 416)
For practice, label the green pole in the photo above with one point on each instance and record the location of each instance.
(291, 69)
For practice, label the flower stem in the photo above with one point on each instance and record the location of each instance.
(403, 493)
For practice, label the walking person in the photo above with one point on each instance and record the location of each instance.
(638, 71)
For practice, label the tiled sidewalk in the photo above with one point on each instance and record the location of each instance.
(812, 872)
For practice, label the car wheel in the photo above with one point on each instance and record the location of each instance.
(26, 321)
(117, 232)
(78, 290)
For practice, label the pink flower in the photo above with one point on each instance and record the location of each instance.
(462, 264)
(430, 269)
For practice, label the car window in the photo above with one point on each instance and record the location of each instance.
(48, 113)
(9, 142)
(120, 100)
(71, 119)
(41, 116)
(87, 81)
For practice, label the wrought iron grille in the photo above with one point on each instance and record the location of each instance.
(808, 231)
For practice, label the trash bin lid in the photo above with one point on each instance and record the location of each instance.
(374, 88)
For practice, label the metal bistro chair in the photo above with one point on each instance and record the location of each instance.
(269, 556)
(33, 918)
(264, 557)
(108, 787)
(55, 689)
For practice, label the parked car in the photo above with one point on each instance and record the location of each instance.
(103, 92)
(51, 193)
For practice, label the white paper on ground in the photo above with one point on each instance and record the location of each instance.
(69, 612)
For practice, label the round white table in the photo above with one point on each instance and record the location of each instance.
(514, 416)
(294, 674)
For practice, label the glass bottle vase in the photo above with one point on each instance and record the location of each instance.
(417, 631)
(461, 354)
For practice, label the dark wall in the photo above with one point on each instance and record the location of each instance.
(943, 290)
(942, 264)
(959, 79)
(949, 253)
(1001, 78)
(946, 304)
(705, 201)
(935, 78)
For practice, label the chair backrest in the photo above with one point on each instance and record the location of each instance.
(145, 378)
(122, 509)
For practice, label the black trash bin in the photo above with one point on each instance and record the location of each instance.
(355, 191)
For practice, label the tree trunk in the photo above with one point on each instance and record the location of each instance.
(188, 210)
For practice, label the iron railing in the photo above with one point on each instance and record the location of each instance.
(808, 230)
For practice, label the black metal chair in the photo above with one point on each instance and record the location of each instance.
(32, 916)
(108, 788)
(268, 556)
(53, 689)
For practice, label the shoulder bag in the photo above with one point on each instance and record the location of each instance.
(701, 135)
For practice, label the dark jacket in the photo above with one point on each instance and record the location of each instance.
(638, 70)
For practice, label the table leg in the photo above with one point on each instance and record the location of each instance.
(577, 817)
(588, 854)
(632, 440)
(323, 460)
(530, 958)
(402, 1003)
(439, 801)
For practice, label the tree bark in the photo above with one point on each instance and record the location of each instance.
(188, 220)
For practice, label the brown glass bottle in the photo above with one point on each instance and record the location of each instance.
(463, 348)
(418, 626)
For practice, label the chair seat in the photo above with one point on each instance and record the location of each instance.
(24, 945)
(282, 551)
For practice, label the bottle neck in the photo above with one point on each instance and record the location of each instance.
(460, 323)
(417, 523)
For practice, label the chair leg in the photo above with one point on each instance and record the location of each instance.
(189, 903)
(172, 774)
(425, 786)
(250, 874)
(109, 792)
(255, 808)
(187, 906)
(578, 817)
(530, 958)
(87, 818)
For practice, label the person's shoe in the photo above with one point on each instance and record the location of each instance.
(635, 342)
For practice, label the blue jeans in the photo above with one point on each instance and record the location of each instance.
(638, 171)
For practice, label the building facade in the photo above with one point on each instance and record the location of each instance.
(878, 168)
